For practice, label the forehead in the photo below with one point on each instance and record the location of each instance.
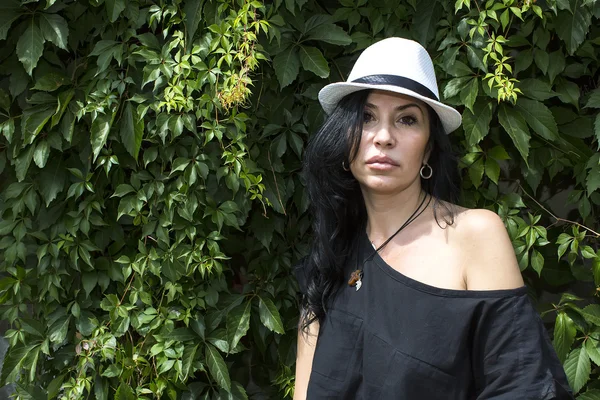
(383, 98)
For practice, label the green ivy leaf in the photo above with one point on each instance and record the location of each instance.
(577, 367)
(57, 333)
(542, 59)
(475, 58)
(183, 335)
(30, 46)
(568, 92)
(114, 8)
(8, 129)
(101, 388)
(112, 371)
(492, 170)
(536, 89)
(132, 130)
(330, 33)
(41, 153)
(458, 69)
(89, 281)
(564, 335)
(238, 323)
(50, 82)
(313, 61)
(55, 29)
(592, 394)
(573, 27)
(23, 162)
(596, 269)
(516, 127)
(504, 18)
(52, 180)
(594, 99)
(4, 100)
(106, 50)
(100, 130)
(269, 315)
(287, 66)
(125, 392)
(476, 124)
(581, 127)
(193, 16)
(476, 170)
(122, 190)
(592, 182)
(55, 385)
(13, 361)
(32, 327)
(591, 314)
(217, 368)
(425, 20)
(539, 118)
(189, 356)
(523, 61)
(237, 392)
(537, 261)
(591, 346)
(454, 86)
(468, 94)
(498, 153)
(556, 65)
(34, 120)
(10, 11)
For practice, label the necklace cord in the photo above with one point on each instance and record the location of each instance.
(356, 276)
(410, 219)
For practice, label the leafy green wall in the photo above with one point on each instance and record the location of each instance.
(151, 206)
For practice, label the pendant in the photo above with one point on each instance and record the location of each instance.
(356, 279)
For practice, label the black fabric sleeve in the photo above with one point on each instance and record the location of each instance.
(512, 356)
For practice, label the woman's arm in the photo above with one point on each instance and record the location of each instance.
(488, 256)
(512, 356)
(304, 358)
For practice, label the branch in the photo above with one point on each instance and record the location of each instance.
(554, 216)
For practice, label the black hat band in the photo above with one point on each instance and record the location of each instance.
(400, 81)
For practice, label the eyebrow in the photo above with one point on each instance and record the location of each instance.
(399, 108)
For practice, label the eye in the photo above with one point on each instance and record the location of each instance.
(367, 117)
(408, 120)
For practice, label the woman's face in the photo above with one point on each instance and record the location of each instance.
(393, 142)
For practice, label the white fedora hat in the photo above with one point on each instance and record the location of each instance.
(398, 65)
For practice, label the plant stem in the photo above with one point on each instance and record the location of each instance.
(558, 219)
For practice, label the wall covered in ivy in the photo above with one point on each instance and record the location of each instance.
(151, 203)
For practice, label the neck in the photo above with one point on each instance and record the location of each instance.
(387, 212)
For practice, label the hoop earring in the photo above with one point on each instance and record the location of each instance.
(344, 166)
(430, 171)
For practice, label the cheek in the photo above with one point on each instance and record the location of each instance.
(362, 148)
(417, 148)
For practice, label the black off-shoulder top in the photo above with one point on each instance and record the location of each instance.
(398, 338)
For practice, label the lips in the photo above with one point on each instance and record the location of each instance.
(381, 160)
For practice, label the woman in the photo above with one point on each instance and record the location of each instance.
(406, 295)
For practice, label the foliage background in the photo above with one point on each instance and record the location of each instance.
(150, 199)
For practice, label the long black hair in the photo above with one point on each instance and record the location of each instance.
(337, 205)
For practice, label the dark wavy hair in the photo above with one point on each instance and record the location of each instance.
(337, 205)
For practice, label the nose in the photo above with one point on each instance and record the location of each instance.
(383, 136)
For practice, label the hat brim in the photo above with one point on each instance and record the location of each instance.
(331, 94)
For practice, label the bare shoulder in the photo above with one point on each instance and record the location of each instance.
(486, 250)
(477, 221)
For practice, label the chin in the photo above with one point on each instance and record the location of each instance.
(383, 185)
